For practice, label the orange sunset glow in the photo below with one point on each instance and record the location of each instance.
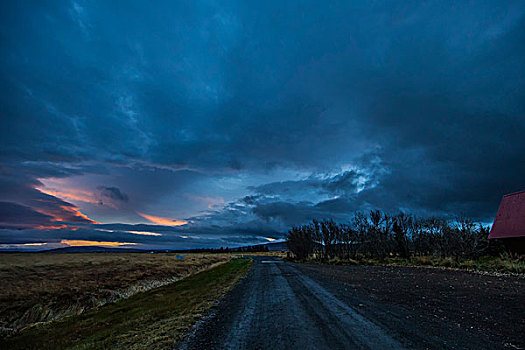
(72, 195)
(163, 221)
(52, 227)
(77, 195)
(82, 243)
(77, 212)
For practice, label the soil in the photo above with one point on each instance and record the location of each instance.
(486, 306)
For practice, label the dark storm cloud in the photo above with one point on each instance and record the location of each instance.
(12, 213)
(19, 190)
(137, 236)
(340, 183)
(287, 110)
(113, 193)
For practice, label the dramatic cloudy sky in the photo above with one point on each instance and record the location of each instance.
(208, 123)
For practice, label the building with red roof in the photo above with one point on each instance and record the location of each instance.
(509, 224)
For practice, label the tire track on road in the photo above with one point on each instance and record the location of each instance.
(278, 307)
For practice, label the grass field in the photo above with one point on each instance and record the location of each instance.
(155, 319)
(40, 287)
(502, 264)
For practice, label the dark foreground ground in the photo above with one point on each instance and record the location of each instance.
(299, 306)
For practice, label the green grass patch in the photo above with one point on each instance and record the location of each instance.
(151, 320)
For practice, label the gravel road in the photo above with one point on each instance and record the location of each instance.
(282, 305)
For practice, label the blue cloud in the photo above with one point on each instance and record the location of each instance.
(275, 112)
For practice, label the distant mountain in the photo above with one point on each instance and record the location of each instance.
(272, 247)
(276, 246)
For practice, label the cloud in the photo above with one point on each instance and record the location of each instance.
(83, 243)
(163, 221)
(136, 236)
(230, 118)
(16, 214)
(25, 200)
(113, 193)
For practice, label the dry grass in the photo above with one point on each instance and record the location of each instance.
(40, 287)
(501, 264)
(155, 319)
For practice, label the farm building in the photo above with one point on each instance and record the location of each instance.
(509, 224)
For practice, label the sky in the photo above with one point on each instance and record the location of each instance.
(185, 124)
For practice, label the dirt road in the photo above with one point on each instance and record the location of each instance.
(294, 306)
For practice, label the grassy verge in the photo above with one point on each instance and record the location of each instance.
(502, 264)
(42, 287)
(154, 319)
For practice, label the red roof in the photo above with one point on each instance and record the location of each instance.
(510, 219)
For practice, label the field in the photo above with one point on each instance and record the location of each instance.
(154, 319)
(41, 287)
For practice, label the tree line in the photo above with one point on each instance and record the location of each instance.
(379, 235)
